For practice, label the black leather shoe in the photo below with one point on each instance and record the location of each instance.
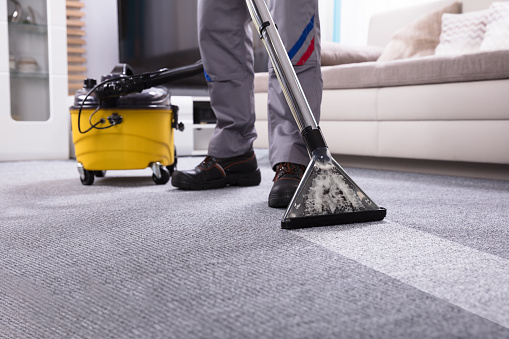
(286, 181)
(220, 172)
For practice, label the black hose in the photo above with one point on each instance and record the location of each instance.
(136, 83)
(170, 75)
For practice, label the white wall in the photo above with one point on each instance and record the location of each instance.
(355, 15)
(326, 12)
(102, 36)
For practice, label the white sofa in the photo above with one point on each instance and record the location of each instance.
(464, 118)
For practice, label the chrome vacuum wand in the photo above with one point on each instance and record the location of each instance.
(326, 194)
(282, 65)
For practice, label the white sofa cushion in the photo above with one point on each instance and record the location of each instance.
(462, 33)
(474, 100)
(497, 30)
(456, 140)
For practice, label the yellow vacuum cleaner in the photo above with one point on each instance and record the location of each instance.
(126, 122)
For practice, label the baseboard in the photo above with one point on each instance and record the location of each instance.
(452, 168)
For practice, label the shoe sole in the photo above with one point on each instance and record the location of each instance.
(280, 201)
(237, 179)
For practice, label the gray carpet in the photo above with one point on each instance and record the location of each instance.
(125, 258)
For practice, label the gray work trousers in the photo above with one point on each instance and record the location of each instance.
(225, 38)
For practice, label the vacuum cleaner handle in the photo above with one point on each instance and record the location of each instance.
(125, 85)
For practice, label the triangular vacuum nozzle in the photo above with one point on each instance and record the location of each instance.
(328, 196)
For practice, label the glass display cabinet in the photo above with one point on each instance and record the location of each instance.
(28, 60)
(34, 117)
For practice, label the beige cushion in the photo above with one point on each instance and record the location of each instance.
(419, 38)
(462, 33)
(334, 53)
(497, 29)
(415, 71)
(418, 71)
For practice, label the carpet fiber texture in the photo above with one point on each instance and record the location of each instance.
(126, 258)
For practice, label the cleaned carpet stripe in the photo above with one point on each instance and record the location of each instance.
(475, 281)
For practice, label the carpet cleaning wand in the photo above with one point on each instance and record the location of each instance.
(326, 194)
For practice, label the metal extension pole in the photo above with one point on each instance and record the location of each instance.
(282, 65)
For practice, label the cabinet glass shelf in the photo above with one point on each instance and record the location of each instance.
(29, 75)
(28, 28)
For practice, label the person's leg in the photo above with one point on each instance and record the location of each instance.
(226, 48)
(225, 40)
(299, 26)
